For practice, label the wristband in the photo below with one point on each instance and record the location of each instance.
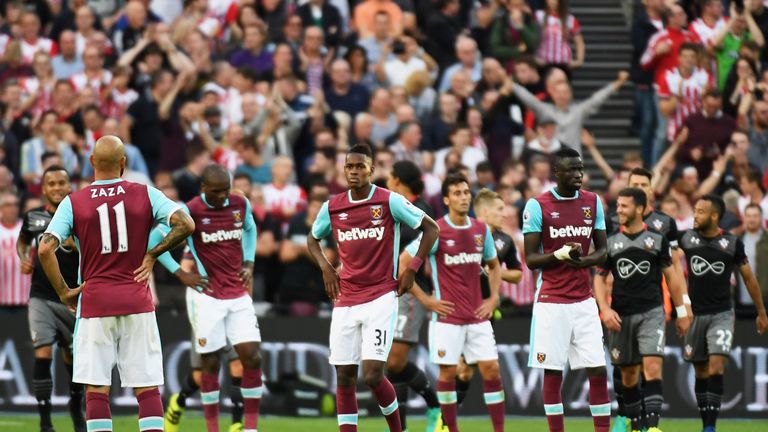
(686, 299)
(682, 311)
(563, 253)
(415, 263)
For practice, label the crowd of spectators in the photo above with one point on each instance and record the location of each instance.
(277, 90)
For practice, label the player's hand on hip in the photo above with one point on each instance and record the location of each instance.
(142, 274)
(440, 307)
(485, 311)
(612, 320)
(683, 324)
(69, 299)
(27, 266)
(762, 323)
(246, 276)
(331, 282)
(405, 281)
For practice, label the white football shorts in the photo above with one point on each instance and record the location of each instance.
(364, 331)
(566, 332)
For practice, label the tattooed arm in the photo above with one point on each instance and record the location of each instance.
(182, 226)
(47, 254)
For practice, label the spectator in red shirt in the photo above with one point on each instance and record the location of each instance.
(663, 47)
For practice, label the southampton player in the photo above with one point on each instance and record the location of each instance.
(559, 226)
(712, 256)
(456, 260)
(489, 208)
(405, 179)
(49, 320)
(224, 246)
(365, 225)
(110, 221)
(666, 226)
(186, 273)
(634, 317)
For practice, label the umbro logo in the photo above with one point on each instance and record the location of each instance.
(450, 242)
(206, 221)
(555, 215)
(343, 216)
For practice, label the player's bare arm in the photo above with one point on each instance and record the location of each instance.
(490, 304)
(535, 259)
(610, 317)
(47, 255)
(330, 275)
(677, 263)
(676, 288)
(182, 226)
(23, 245)
(430, 302)
(754, 291)
(430, 232)
(511, 275)
(246, 275)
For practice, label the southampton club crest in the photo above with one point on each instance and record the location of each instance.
(658, 224)
(376, 214)
(615, 354)
(479, 242)
(649, 242)
(723, 243)
(238, 218)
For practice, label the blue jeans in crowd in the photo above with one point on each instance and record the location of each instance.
(660, 137)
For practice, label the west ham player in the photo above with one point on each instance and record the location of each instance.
(49, 320)
(559, 226)
(456, 260)
(365, 224)
(712, 256)
(224, 246)
(110, 221)
(177, 403)
(405, 179)
(489, 208)
(666, 225)
(634, 316)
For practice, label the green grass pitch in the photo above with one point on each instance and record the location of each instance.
(193, 422)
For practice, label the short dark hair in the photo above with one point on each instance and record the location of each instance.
(404, 126)
(409, 174)
(690, 46)
(566, 153)
(154, 80)
(214, 171)
(718, 205)
(641, 172)
(753, 176)
(637, 195)
(243, 176)
(456, 128)
(363, 149)
(194, 151)
(249, 73)
(54, 168)
(47, 155)
(452, 179)
(753, 206)
(713, 92)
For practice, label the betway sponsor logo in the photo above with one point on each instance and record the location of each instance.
(463, 258)
(360, 234)
(570, 231)
(222, 235)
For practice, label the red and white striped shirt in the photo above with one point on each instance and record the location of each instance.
(704, 32)
(119, 101)
(284, 202)
(80, 81)
(691, 88)
(44, 99)
(555, 47)
(520, 293)
(14, 286)
(4, 41)
(660, 63)
(29, 48)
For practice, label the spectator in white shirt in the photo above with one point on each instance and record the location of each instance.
(461, 140)
(469, 61)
